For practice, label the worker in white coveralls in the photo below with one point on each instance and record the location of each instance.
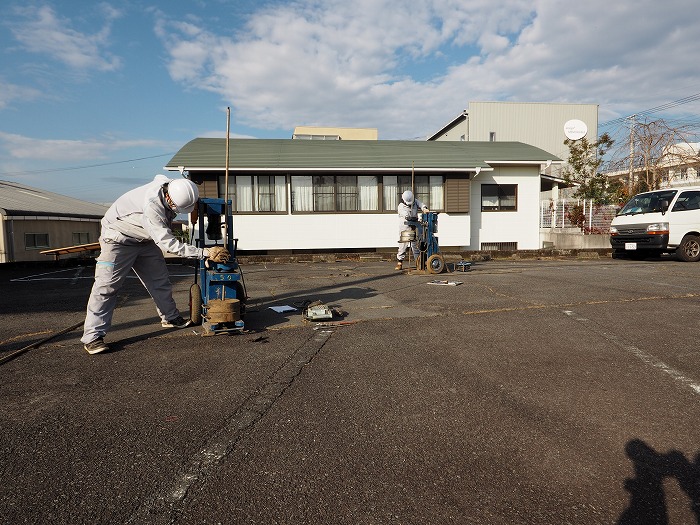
(135, 231)
(408, 210)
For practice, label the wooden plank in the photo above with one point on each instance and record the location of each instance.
(57, 252)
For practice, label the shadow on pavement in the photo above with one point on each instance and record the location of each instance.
(647, 504)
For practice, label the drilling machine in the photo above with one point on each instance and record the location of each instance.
(426, 228)
(218, 302)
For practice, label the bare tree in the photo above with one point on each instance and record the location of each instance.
(657, 149)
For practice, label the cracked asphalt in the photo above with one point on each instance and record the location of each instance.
(534, 392)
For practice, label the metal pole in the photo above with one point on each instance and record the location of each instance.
(226, 210)
(413, 179)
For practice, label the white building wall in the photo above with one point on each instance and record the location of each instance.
(465, 231)
(454, 230)
(521, 226)
(336, 231)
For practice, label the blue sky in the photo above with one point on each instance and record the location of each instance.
(95, 97)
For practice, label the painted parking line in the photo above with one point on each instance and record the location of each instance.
(41, 276)
(644, 357)
(558, 306)
(51, 276)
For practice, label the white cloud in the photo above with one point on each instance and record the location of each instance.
(43, 32)
(362, 63)
(11, 92)
(60, 150)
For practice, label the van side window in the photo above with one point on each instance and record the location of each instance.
(688, 200)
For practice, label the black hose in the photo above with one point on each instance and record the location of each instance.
(19, 352)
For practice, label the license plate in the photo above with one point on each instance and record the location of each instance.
(630, 246)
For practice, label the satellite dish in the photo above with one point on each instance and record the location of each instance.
(575, 129)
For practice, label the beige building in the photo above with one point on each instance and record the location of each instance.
(327, 133)
(33, 220)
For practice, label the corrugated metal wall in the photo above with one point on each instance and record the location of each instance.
(538, 124)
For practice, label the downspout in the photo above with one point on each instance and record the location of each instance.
(8, 238)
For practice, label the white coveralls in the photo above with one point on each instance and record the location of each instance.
(135, 230)
(406, 213)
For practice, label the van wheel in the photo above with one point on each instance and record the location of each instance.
(689, 249)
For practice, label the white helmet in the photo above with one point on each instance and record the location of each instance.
(184, 194)
(407, 197)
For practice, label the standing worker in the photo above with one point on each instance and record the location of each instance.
(135, 231)
(408, 211)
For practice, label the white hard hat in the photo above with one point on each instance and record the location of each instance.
(184, 194)
(407, 197)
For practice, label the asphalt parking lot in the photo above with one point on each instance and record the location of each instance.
(534, 392)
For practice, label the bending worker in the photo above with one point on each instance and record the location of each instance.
(408, 211)
(135, 231)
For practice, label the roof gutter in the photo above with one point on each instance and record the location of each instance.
(349, 169)
(526, 162)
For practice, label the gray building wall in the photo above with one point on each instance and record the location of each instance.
(60, 231)
(540, 124)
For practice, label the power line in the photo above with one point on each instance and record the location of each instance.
(662, 107)
(75, 168)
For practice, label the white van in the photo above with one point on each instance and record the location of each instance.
(656, 222)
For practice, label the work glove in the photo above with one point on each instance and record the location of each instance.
(426, 210)
(218, 254)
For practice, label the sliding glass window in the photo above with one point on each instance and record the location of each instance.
(256, 193)
(428, 190)
(335, 193)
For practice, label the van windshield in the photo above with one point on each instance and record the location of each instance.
(648, 202)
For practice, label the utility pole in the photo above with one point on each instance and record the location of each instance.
(630, 181)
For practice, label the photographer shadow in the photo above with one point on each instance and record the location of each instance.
(647, 504)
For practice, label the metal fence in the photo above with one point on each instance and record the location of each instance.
(560, 213)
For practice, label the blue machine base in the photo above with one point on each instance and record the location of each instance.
(220, 328)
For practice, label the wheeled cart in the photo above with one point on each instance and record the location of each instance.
(217, 297)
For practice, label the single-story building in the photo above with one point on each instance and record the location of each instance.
(33, 220)
(296, 196)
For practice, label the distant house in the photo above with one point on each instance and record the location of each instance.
(296, 196)
(675, 166)
(33, 220)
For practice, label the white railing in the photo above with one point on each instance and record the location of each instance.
(557, 214)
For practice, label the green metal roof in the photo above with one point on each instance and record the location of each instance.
(352, 155)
